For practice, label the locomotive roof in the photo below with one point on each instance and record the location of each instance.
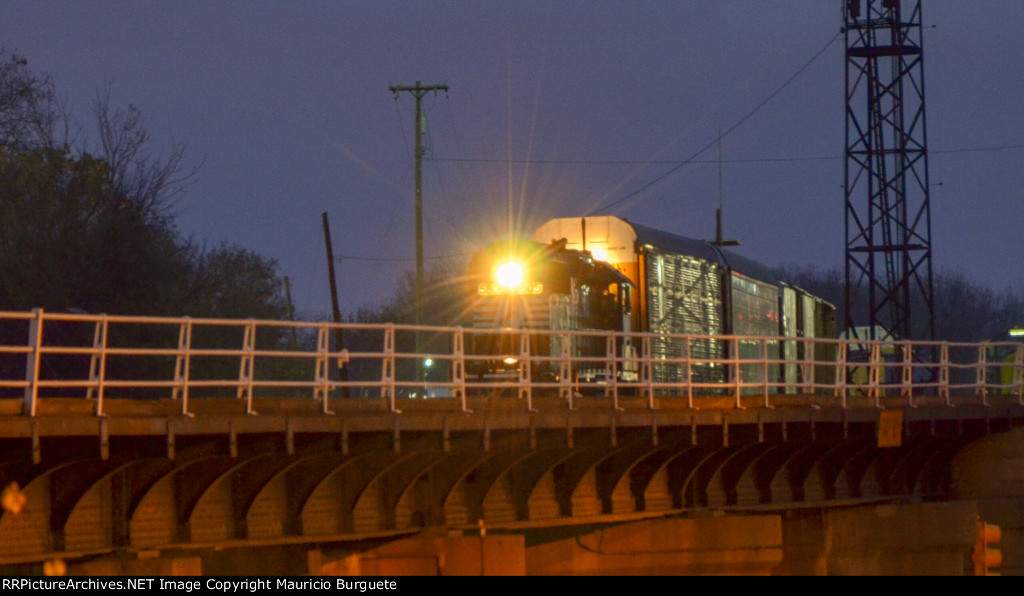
(702, 249)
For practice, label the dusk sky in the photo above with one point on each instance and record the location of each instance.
(554, 109)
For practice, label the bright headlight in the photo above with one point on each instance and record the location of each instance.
(509, 275)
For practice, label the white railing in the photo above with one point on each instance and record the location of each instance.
(44, 354)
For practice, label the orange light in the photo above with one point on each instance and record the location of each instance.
(496, 289)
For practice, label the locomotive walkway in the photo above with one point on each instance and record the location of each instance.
(323, 441)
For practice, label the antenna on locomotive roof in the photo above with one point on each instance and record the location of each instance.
(719, 241)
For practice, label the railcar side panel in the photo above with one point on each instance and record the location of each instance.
(755, 313)
(684, 297)
(789, 328)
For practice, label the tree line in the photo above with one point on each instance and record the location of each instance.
(87, 225)
(965, 310)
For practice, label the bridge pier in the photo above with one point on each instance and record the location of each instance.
(933, 539)
(990, 471)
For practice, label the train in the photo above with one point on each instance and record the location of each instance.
(664, 295)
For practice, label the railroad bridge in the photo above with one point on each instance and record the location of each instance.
(132, 468)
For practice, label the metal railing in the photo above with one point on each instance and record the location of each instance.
(95, 357)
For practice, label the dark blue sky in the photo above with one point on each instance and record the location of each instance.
(286, 105)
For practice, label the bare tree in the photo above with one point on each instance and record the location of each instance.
(32, 115)
(153, 183)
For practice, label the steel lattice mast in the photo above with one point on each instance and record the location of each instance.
(888, 235)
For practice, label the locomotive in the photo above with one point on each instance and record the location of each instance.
(544, 288)
(673, 298)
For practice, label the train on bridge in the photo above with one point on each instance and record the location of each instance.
(665, 297)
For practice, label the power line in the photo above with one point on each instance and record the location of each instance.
(643, 162)
(628, 162)
(340, 258)
(635, 162)
(726, 133)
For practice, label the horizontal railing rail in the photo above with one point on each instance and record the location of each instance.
(97, 357)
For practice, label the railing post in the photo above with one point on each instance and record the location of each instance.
(647, 371)
(874, 370)
(612, 368)
(811, 377)
(525, 377)
(321, 374)
(736, 377)
(322, 370)
(981, 371)
(459, 366)
(907, 374)
(245, 368)
(807, 365)
(388, 366)
(688, 359)
(944, 373)
(98, 363)
(182, 364)
(32, 359)
(1018, 374)
(764, 363)
(841, 372)
(565, 366)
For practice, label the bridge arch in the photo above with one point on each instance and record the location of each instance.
(220, 511)
(29, 531)
(421, 503)
(510, 497)
(615, 477)
(825, 476)
(723, 485)
(648, 480)
(695, 478)
(374, 507)
(464, 505)
(276, 510)
(329, 509)
(790, 482)
(848, 482)
(754, 485)
(161, 516)
(100, 516)
(583, 479)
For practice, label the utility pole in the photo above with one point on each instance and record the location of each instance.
(418, 91)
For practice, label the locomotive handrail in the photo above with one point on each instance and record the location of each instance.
(97, 356)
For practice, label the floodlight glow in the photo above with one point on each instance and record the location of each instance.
(599, 253)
